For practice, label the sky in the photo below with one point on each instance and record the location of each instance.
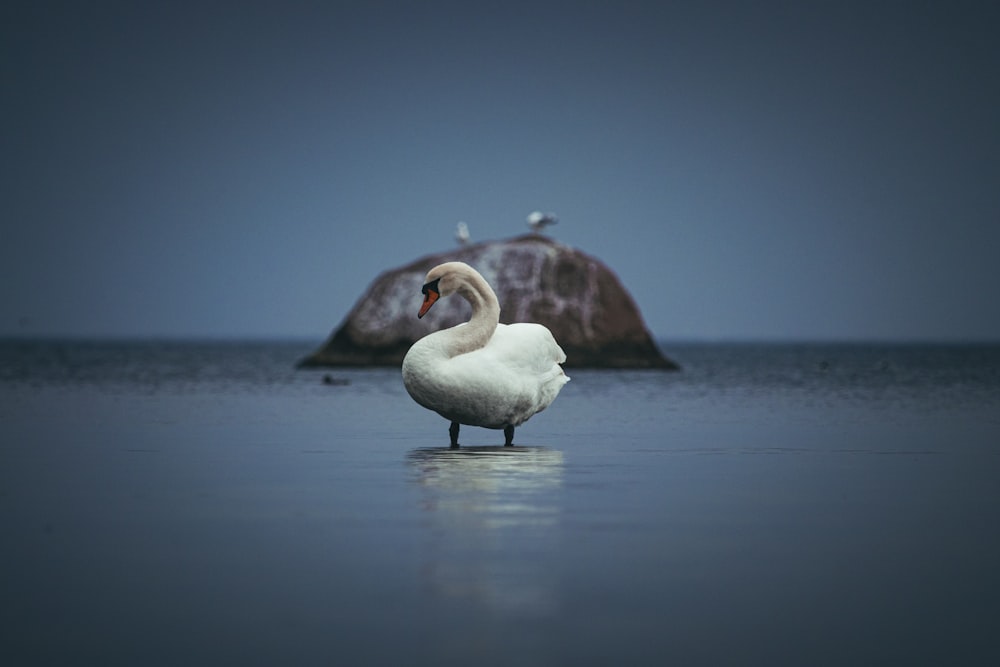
(750, 170)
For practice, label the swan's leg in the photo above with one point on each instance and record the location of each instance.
(453, 432)
(508, 436)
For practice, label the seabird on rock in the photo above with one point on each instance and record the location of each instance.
(538, 220)
(462, 234)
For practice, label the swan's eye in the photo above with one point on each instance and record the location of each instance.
(432, 286)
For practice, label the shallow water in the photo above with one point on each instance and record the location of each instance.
(205, 503)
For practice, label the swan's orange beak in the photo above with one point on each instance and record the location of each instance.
(430, 296)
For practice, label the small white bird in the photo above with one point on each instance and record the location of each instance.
(538, 220)
(481, 372)
(462, 234)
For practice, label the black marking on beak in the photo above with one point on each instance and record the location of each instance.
(431, 286)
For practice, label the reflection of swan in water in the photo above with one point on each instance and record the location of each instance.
(488, 507)
(494, 470)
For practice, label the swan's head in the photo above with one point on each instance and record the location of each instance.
(442, 280)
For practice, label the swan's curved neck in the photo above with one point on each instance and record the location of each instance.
(485, 316)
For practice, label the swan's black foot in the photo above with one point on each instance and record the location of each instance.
(453, 432)
(508, 436)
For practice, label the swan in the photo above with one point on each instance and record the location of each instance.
(481, 372)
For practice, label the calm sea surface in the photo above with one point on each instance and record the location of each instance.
(207, 504)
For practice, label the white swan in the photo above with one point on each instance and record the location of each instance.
(481, 373)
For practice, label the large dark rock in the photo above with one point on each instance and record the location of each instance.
(536, 280)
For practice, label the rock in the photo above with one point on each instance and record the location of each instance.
(536, 279)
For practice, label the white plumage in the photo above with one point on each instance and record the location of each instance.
(462, 233)
(539, 221)
(481, 373)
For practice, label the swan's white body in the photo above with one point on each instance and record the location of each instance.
(516, 375)
(482, 373)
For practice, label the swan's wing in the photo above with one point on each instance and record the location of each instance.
(526, 345)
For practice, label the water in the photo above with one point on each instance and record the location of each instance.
(205, 503)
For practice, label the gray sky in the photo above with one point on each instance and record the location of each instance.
(786, 170)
